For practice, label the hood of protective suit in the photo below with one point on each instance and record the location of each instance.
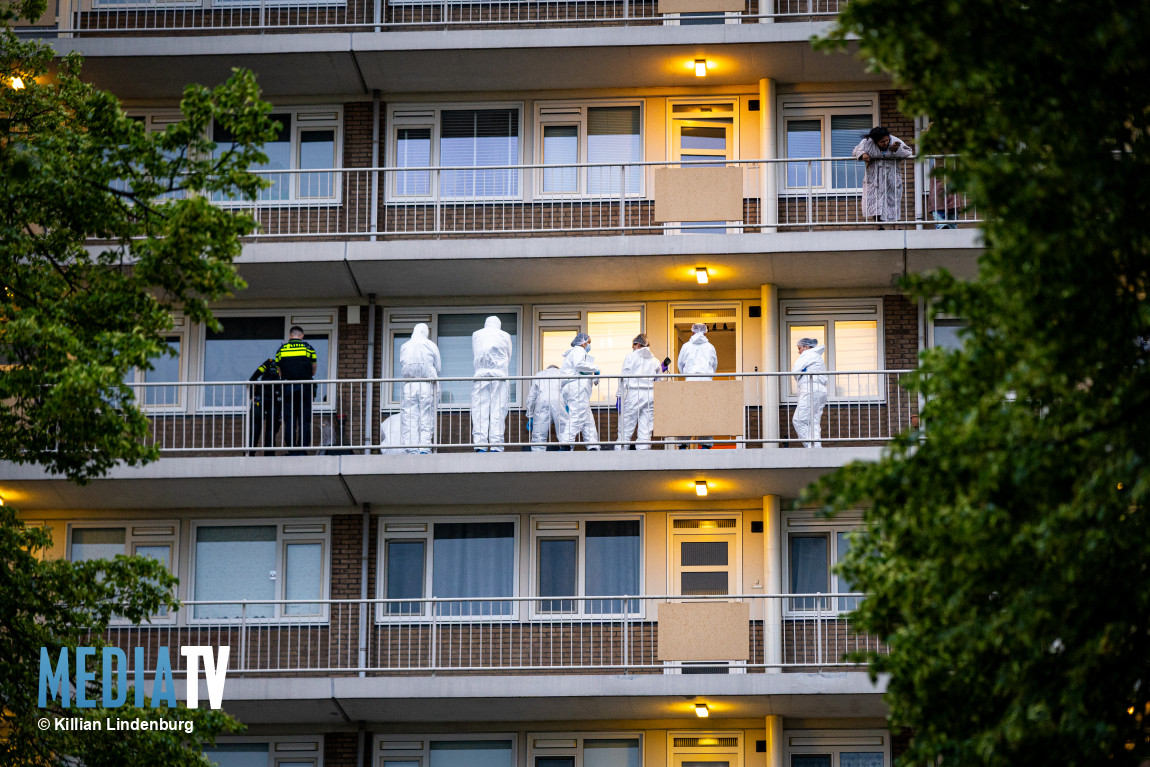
(819, 349)
(491, 349)
(493, 322)
(418, 356)
(645, 353)
(420, 332)
(698, 338)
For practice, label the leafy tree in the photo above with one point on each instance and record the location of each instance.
(1006, 548)
(56, 604)
(76, 319)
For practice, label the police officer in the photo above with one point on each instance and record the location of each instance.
(267, 405)
(296, 361)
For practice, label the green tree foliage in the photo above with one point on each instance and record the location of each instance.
(1006, 548)
(57, 604)
(76, 318)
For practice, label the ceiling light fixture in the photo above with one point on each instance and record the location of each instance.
(700, 487)
(702, 275)
(700, 67)
(702, 711)
(16, 82)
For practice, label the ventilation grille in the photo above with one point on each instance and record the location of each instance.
(710, 314)
(706, 742)
(703, 524)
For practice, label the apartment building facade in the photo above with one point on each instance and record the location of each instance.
(613, 168)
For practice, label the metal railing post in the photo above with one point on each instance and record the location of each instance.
(243, 661)
(626, 635)
(433, 650)
(622, 199)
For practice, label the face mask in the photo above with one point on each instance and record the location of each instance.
(588, 348)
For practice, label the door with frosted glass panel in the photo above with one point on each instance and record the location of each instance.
(704, 563)
(704, 139)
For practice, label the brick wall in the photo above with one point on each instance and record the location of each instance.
(900, 332)
(889, 115)
(899, 743)
(346, 547)
(339, 749)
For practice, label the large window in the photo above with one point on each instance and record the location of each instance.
(445, 751)
(466, 142)
(246, 339)
(471, 564)
(106, 540)
(308, 139)
(851, 331)
(267, 752)
(828, 125)
(564, 749)
(239, 564)
(165, 369)
(451, 330)
(572, 133)
(837, 748)
(577, 562)
(612, 328)
(813, 549)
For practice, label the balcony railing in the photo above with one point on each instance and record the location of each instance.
(494, 636)
(174, 17)
(864, 407)
(579, 199)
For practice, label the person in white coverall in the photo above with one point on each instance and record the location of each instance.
(577, 394)
(810, 375)
(491, 348)
(637, 395)
(419, 358)
(544, 407)
(698, 360)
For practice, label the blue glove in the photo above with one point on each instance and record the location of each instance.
(618, 407)
(529, 420)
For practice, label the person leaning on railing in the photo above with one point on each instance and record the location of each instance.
(882, 181)
(267, 406)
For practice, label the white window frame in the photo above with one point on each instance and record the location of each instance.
(834, 743)
(806, 524)
(568, 527)
(139, 375)
(138, 532)
(303, 118)
(428, 115)
(563, 744)
(283, 749)
(418, 747)
(403, 320)
(574, 318)
(575, 113)
(423, 528)
(288, 531)
(820, 106)
(676, 755)
(948, 320)
(323, 320)
(825, 311)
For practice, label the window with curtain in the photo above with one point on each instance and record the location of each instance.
(613, 137)
(306, 140)
(479, 137)
(609, 136)
(804, 140)
(413, 150)
(242, 563)
(604, 555)
(471, 753)
(825, 125)
(851, 332)
(611, 334)
(812, 555)
(473, 563)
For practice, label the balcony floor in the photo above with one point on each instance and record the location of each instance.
(447, 480)
(549, 698)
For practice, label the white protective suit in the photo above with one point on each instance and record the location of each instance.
(391, 433)
(810, 375)
(637, 396)
(882, 180)
(544, 406)
(491, 348)
(698, 358)
(577, 398)
(419, 358)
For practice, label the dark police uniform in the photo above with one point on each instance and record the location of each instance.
(295, 360)
(267, 405)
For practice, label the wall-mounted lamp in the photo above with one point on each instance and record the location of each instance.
(702, 275)
(702, 711)
(16, 82)
(701, 490)
(700, 67)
